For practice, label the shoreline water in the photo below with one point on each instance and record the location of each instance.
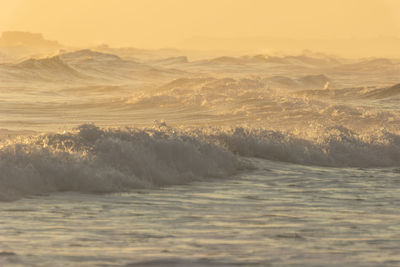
(278, 214)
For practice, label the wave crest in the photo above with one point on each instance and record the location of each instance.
(91, 159)
(94, 160)
(334, 146)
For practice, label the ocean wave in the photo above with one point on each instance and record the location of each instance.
(95, 160)
(387, 92)
(331, 147)
(50, 69)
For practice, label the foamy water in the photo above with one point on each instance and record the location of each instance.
(109, 161)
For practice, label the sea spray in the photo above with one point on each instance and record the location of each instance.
(95, 160)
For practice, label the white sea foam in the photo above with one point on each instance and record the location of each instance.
(96, 160)
(337, 147)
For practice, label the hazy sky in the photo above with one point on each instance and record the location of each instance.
(161, 23)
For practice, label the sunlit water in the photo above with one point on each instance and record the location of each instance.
(279, 214)
(109, 162)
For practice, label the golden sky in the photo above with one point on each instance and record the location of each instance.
(163, 23)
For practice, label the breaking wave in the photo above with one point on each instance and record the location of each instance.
(94, 160)
(336, 147)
